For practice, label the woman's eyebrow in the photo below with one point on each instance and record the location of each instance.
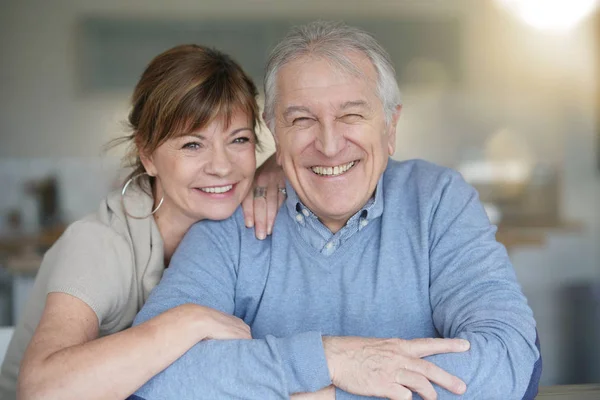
(195, 135)
(238, 130)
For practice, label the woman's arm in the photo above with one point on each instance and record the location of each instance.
(324, 394)
(66, 360)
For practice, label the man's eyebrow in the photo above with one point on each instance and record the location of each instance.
(293, 109)
(355, 104)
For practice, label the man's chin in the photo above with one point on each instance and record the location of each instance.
(336, 213)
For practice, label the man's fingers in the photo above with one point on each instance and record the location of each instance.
(420, 348)
(416, 383)
(399, 392)
(381, 367)
(438, 376)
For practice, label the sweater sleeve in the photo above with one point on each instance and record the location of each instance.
(203, 271)
(475, 295)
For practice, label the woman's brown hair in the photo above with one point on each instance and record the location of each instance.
(183, 90)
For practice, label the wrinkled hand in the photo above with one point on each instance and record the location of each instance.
(260, 212)
(219, 325)
(324, 394)
(391, 368)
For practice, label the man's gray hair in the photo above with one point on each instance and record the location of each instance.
(332, 41)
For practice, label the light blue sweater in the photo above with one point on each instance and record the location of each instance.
(425, 265)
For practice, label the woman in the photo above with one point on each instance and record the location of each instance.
(193, 118)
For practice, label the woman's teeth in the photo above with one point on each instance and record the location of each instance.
(217, 189)
(333, 171)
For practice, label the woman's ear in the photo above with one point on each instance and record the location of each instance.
(147, 162)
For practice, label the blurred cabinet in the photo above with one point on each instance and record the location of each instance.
(582, 324)
(112, 52)
(598, 89)
(22, 285)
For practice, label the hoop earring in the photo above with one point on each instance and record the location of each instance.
(123, 197)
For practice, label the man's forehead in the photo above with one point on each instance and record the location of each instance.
(343, 105)
(309, 83)
(350, 66)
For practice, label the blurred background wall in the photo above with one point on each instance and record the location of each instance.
(513, 107)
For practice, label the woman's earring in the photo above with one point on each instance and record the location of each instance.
(125, 190)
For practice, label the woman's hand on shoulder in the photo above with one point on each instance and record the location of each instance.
(260, 211)
(219, 325)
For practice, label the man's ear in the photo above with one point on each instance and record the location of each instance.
(277, 150)
(278, 157)
(392, 130)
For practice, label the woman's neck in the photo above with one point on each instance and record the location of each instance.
(172, 224)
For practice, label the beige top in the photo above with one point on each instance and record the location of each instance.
(108, 260)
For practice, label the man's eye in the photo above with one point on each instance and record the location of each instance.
(192, 146)
(352, 117)
(301, 120)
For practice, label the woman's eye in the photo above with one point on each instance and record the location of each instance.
(191, 146)
(242, 139)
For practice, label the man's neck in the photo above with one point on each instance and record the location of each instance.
(334, 225)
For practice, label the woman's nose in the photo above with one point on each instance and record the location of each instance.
(219, 164)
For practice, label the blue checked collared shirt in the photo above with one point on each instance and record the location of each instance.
(318, 235)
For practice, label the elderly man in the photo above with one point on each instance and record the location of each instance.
(382, 278)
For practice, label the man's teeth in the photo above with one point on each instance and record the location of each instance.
(333, 171)
(218, 189)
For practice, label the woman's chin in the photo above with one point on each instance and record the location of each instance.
(215, 213)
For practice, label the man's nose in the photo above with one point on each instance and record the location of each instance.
(330, 141)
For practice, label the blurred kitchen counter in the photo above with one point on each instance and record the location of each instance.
(23, 253)
(570, 392)
(534, 233)
(17, 243)
(20, 259)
